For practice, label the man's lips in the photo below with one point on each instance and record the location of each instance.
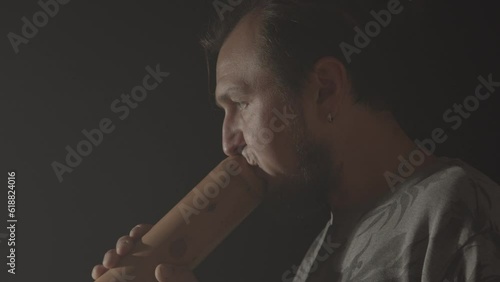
(250, 160)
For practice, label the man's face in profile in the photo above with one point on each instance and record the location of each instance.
(269, 131)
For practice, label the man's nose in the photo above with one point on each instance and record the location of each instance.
(232, 139)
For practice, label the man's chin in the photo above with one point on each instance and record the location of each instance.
(279, 187)
(290, 194)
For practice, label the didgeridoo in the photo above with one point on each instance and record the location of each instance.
(194, 227)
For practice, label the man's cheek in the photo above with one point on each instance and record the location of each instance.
(268, 134)
(275, 158)
(259, 138)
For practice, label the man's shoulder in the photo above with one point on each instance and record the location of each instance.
(453, 195)
(443, 218)
(463, 221)
(447, 190)
(455, 182)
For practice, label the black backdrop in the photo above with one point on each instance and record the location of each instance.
(66, 77)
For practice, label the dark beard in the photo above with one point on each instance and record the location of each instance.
(304, 193)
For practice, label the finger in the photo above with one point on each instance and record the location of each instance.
(111, 258)
(139, 230)
(98, 271)
(169, 273)
(124, 245)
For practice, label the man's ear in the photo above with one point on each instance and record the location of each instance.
(332, 84)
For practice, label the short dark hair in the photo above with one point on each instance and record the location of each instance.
(296, 33)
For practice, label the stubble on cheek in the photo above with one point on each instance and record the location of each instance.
(316, 172)
(302, 191)
(269, 136)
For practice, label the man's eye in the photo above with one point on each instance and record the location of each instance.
(241, 105)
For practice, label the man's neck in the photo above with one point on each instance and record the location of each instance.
(376, 149)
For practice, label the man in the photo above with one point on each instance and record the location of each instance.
(398, 213)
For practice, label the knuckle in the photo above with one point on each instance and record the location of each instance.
(140, 230)
(109, 254)
(124, 239)
(110, 258)
(98, 270)
(123, 245)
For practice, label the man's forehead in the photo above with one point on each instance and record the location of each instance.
(236, 55)
(239, 50)
(236, 65)
(227, 67)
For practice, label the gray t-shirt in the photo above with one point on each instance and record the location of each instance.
(441, 224)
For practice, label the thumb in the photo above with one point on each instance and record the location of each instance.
(171, 273)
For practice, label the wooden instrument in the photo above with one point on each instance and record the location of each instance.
(196, 225)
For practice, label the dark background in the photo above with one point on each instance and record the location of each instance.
(65, 78)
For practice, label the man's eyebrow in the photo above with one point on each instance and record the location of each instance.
(222, 97)
(225, 95)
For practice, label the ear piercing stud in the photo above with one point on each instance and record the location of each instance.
(330, 117)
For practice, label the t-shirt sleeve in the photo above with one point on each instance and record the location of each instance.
(477, 260)
(472, 220)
